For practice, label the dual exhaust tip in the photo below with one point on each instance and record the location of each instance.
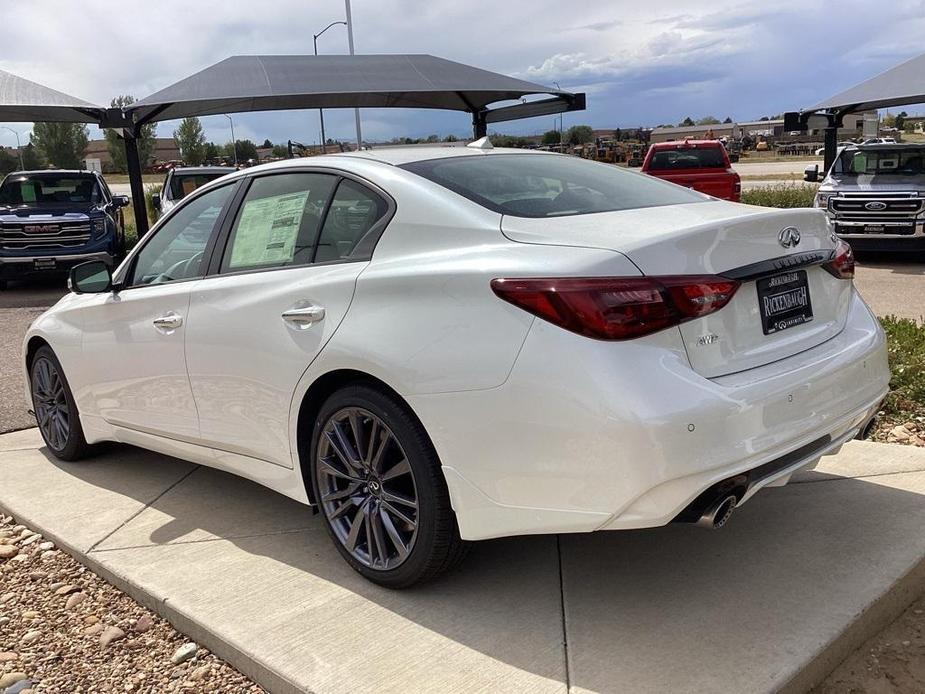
(717, 514)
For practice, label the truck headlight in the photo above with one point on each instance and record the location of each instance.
(822, 199)
(99, 227)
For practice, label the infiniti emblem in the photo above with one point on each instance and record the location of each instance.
(875, 205)
(374, 486)
(789, 237)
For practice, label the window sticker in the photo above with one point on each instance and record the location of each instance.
(267, 230)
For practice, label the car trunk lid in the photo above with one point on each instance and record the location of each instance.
(719, 238)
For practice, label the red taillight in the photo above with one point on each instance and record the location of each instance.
(842, 265)
(617, 308)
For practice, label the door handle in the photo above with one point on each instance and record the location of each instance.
(303, 316)
(169, 321)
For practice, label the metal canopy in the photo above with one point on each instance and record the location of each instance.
(278, 82)
(24, 100)
(903, 84)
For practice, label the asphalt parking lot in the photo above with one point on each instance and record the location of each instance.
(890, 285)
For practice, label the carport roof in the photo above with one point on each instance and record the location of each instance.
(24, 100)
(903, 84)
(276, 82)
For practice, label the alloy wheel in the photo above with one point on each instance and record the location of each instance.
(51, 408)
(367, 489)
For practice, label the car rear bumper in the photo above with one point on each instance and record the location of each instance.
(588, 435)
(12, 267)
(875, 243)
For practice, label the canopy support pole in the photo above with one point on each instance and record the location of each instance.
(134, 179)
(479, 124)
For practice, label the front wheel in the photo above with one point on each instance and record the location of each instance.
(380, 489)
(54, 406)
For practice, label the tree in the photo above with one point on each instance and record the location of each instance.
(900, 120)
(211, 152)
(116, 145)
(267, 144)
(31, 160)
(451, 138)
(551, 137)
(728, 120)
(433, 138)
(191, 141)
(246, 150)
(707, 120)
(686, 123)
(8, 161)
(579, 135)
(280, 151)
(61, 144)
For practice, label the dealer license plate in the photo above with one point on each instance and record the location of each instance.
(784, 301)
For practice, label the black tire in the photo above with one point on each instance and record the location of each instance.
(434, 545)
(49, 402)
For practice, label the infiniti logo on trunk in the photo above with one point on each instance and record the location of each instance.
(875, 205)
(789, 237)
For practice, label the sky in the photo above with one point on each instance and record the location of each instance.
(640, 63)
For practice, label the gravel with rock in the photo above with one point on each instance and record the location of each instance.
(64, 630)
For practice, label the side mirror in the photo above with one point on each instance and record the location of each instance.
(156, 201)
(120, 200)
(92, 277)
(811, 173)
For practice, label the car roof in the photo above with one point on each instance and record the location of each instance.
(674, 144)
(202, 169)
(408, 154)
(888, 146)
(54, 172)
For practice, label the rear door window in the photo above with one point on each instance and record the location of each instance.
(689, 158)
(278, 222)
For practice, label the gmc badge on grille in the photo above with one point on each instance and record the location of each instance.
(40, 228)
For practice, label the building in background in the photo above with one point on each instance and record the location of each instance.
(165, 149)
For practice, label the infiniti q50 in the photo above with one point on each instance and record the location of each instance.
(439, 345)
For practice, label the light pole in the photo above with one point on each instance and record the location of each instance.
(234, 144)
(18, 146)
(324, 142)
(356, 111)
(561, 124)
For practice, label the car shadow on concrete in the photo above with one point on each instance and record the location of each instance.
(667, 609)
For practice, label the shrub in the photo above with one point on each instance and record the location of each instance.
(780, 195)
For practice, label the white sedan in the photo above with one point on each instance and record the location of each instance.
(437, 345)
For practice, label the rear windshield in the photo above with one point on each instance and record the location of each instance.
(49, 190)
(689, 158)
(549, 185)
(860, 162)
(182, 185)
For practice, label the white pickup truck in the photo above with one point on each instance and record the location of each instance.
(875, 196)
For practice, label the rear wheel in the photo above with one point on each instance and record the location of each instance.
(380, 489)
(55, 409)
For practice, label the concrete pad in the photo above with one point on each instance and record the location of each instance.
(211, 505)
(866, 459)
(768, 603)
(774, 601)
(83, 502)
(20, 440)
(289, 612)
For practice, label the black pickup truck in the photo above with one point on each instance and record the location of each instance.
(53, 220)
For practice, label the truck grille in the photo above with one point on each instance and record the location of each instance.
(887, 213)
(38, 235)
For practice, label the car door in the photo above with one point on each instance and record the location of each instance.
(133, 337)
(283, 285)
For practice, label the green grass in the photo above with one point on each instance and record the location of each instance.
(781, 195)
(906, 346)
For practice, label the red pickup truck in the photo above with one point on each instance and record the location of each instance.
(699, 164)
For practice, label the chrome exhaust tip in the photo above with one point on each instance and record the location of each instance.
(717, 514)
